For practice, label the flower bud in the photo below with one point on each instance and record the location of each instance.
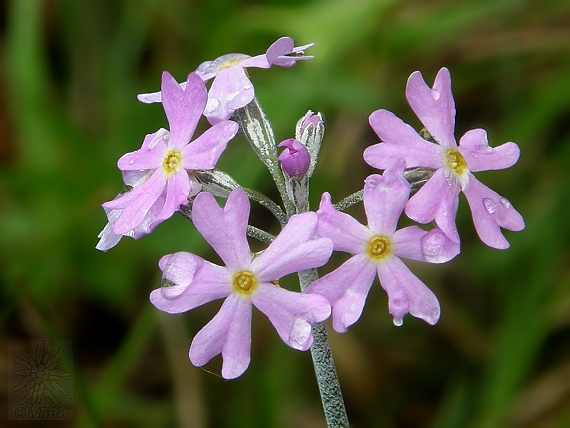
(310, 131)
(294, 159)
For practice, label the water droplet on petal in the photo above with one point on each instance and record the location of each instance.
(504, 202)
(247, 87)
(490, 205)
(398, 323)
(435, 94)
(300, 334)
(132, 161)
(211, 105)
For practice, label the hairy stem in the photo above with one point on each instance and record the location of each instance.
(325, 371)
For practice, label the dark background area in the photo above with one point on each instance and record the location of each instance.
(69, 74)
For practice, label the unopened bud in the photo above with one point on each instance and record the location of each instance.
(310, 131)
(295, 159)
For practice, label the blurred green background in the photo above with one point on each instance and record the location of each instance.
(69, 74)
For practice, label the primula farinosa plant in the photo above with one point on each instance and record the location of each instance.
(422, 174)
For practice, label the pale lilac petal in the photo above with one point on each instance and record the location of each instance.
(490, 212)
(225, 230)
(228, 333)
(183, 107)
(209, 69)
(481, 157)
(204, 151)
(149, 98)
(259, 61)
(177, 190)
(400, 141)
(346, 289)
(408, 243)
(436, 200)
(385, 198)
(178, 271)
(291, 313)
(230, 90)
(406, 293)
(107, 238)
(347, 234)
(149, 156)
(414, 243)
(278, 51)
(136, 203)
(199, 284)
(136, 178)
(293, 250)
(434, 107)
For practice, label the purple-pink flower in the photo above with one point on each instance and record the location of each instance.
(231, 88)
(163, 162)
(377, 249)
(438, 198)
(295, 159)
(247, 280)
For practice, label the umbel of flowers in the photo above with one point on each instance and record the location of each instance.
(422, 176)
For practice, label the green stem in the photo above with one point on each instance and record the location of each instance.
(325, 370)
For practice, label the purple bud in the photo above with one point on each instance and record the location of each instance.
(295, 158)
(309, 118)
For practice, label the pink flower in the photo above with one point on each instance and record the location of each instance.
(165, 159)
(294, 159)
(231, 88)
(377, 250)
(245, 281)
(438, 198)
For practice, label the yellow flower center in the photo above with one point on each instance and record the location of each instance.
(244, 282)
(379, 247)
(230, 63)
(455, 162)
(172, 162)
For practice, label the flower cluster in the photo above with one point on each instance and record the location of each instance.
(171, 171)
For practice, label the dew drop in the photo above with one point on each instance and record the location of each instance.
(504, 202)
(435, 94)
(211, 105)
(132, 161)
(398, 323)
(247, 87)
(490, 205)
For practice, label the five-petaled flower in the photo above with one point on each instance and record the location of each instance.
(246, 281)
(231, 88)
(163, 162)
(438, 198)
(377, 250)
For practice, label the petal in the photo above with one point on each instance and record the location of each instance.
(230, 90)
(204, 151)
(278, 52)
(434, 107)
(346, 289)
(291, 313)
(225, 230)
(137, 203)
(203, 283)
(481, 157)
(293, 250)
(183, 107)
(177, 190)
(145, 158)
(347, 234)
(436, 200)
(414, 243)
(155, 97)
(107, 238)
(385, 198)
(178, 271)
(228, 333)
(400, 141)
(490, 212)
(406, 293)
